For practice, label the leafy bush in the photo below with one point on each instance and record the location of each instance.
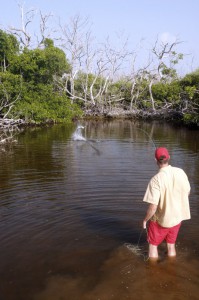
(167, 94)
(45, 105)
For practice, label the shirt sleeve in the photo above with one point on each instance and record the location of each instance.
(187, 185)
(152, 194)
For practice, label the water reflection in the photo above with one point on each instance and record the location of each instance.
(68, 209)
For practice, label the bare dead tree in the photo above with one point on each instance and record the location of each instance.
(73, 44)
(22, 33)
(105, 64)
(114, 60)
(162, 64)
(136, 78)
(165, 55)
(93, 70)
(152, 79)
(45, 31)
(96, 67)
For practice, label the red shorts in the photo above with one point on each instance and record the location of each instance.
(157, 234)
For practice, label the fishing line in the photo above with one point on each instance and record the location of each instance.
(140, 238)
(77, 136)
(96, 150)
(136, 249)
(150, 138)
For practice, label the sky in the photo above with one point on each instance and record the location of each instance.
(139, 20)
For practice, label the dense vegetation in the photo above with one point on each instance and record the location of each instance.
(56, 84)
(27, 89)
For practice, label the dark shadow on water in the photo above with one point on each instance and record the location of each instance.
(111, 226)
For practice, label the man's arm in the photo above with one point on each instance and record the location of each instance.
(149, 214)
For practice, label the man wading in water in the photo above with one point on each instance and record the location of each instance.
(167, 194)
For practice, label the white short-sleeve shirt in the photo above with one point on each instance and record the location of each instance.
(169, 189)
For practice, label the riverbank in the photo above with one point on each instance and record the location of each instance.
(172, 116)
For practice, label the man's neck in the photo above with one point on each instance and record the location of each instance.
(163, 166)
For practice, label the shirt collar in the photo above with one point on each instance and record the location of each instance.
(165, 168)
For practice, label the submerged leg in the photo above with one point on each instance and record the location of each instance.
(153, 252)
(171, 250)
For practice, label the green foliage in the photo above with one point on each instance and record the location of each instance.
(29, 65)
(40, 65)
(55, 59)
(84, 79)
(168, 73)
(10, 84)
(45, 105)
(28, 88)
(191, 79)
(176, 57)
(9, 47)
(190, 89)
(166, 94)
(10, 90)
(27, 83)
(191, 118)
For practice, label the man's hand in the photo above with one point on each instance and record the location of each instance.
(150, 212)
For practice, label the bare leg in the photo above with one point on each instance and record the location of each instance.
(153, 252)
(171, 250)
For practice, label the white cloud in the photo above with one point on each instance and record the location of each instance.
(167, 37)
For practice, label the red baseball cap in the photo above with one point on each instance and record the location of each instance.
(161, 153)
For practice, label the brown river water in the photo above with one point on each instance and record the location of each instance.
(71, 213)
